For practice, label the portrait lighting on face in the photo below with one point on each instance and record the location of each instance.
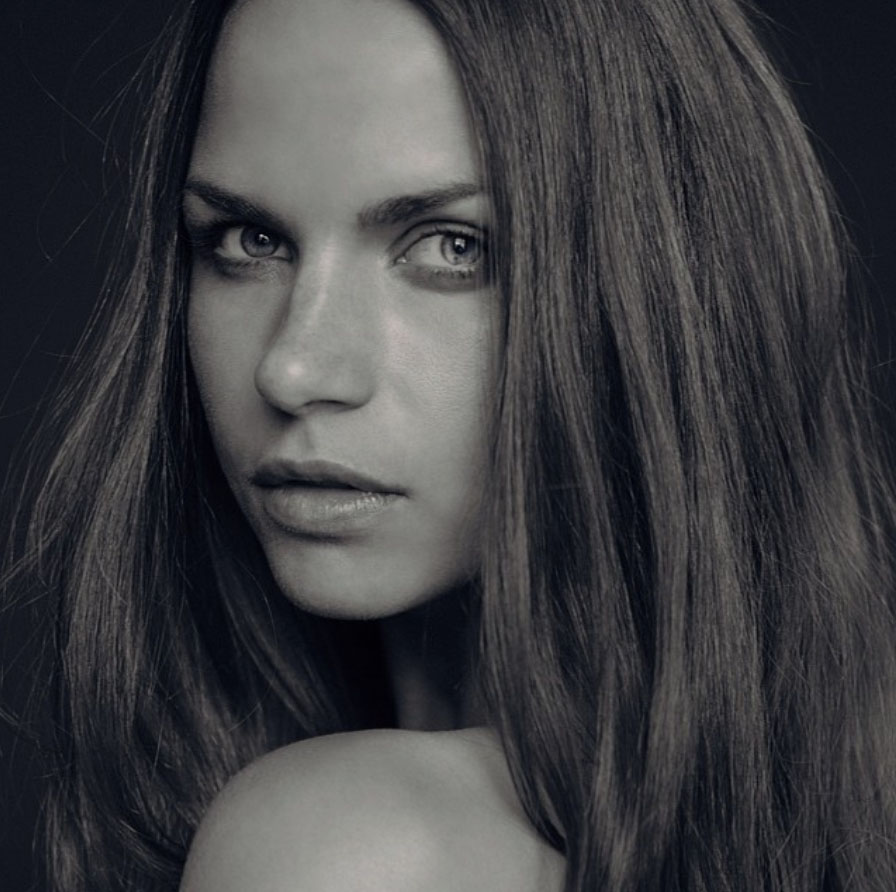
(340, 312)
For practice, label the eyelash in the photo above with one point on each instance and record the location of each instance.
(205, 240)
(476, 273)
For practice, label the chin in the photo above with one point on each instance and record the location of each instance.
(350, 605)
(352, 594)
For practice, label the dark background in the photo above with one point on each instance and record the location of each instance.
(63, 62)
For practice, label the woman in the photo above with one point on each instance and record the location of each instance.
(479, 369)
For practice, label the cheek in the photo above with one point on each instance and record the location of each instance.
(216, 336)
(455, 401)
(445, 355)
(223, 357)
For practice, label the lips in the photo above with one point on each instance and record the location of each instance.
(321, 499)
(279, 472)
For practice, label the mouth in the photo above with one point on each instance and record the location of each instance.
(318, 499)
(321, 474)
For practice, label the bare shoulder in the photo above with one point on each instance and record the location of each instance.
(378, 810)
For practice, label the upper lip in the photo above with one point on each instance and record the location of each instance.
(284, 471)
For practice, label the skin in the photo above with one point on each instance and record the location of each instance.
(395, 811)
(349, 341)
(348, 337)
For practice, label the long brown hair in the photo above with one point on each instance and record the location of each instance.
(687, 613)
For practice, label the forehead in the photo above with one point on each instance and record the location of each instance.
(356, 96)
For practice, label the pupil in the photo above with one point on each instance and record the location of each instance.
(257, 243)
(459, 248)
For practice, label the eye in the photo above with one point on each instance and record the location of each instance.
(446, 256)
(236, 249)
(451, 250)
(239, 242)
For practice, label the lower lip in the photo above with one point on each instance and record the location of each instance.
(323, 511)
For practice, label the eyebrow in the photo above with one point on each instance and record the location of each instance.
(235, 205)
(388, 212)
(405, 208)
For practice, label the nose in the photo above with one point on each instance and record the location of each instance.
(322, 354)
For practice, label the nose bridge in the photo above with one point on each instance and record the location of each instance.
(322, 351)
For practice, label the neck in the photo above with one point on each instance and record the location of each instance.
(429, 655)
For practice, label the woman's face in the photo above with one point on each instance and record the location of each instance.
(341, 319)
